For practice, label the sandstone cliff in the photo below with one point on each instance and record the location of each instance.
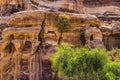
(23, 27)
(19, 35)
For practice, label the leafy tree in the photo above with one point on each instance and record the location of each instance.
(62, 23)
(90, 63)
(81, 62)
(64, 60)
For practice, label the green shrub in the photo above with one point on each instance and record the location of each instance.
(62, 22)
(112, 71)
(63, 60)
(82, 63)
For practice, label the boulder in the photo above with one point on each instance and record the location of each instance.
(93, 33)
(116, 29)
(93, 37)
(111, 35)
(95, 44)
(106, 30)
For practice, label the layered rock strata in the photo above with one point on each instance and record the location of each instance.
(19, 41)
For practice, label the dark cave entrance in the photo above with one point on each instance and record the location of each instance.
(91, 37)
(82, 38)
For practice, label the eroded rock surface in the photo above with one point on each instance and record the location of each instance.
(111, 35)
(29, 18)
(94, 37)
(19, 41)
(20, 64)
(17, 54)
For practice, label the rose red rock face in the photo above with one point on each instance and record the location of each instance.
(116, 29)
(106, 30)
(24, 26)
(25, 41)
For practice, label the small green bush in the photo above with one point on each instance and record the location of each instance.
(112, 71)
(62, 22)
(80, 63)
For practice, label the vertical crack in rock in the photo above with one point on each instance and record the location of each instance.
(38, 53)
